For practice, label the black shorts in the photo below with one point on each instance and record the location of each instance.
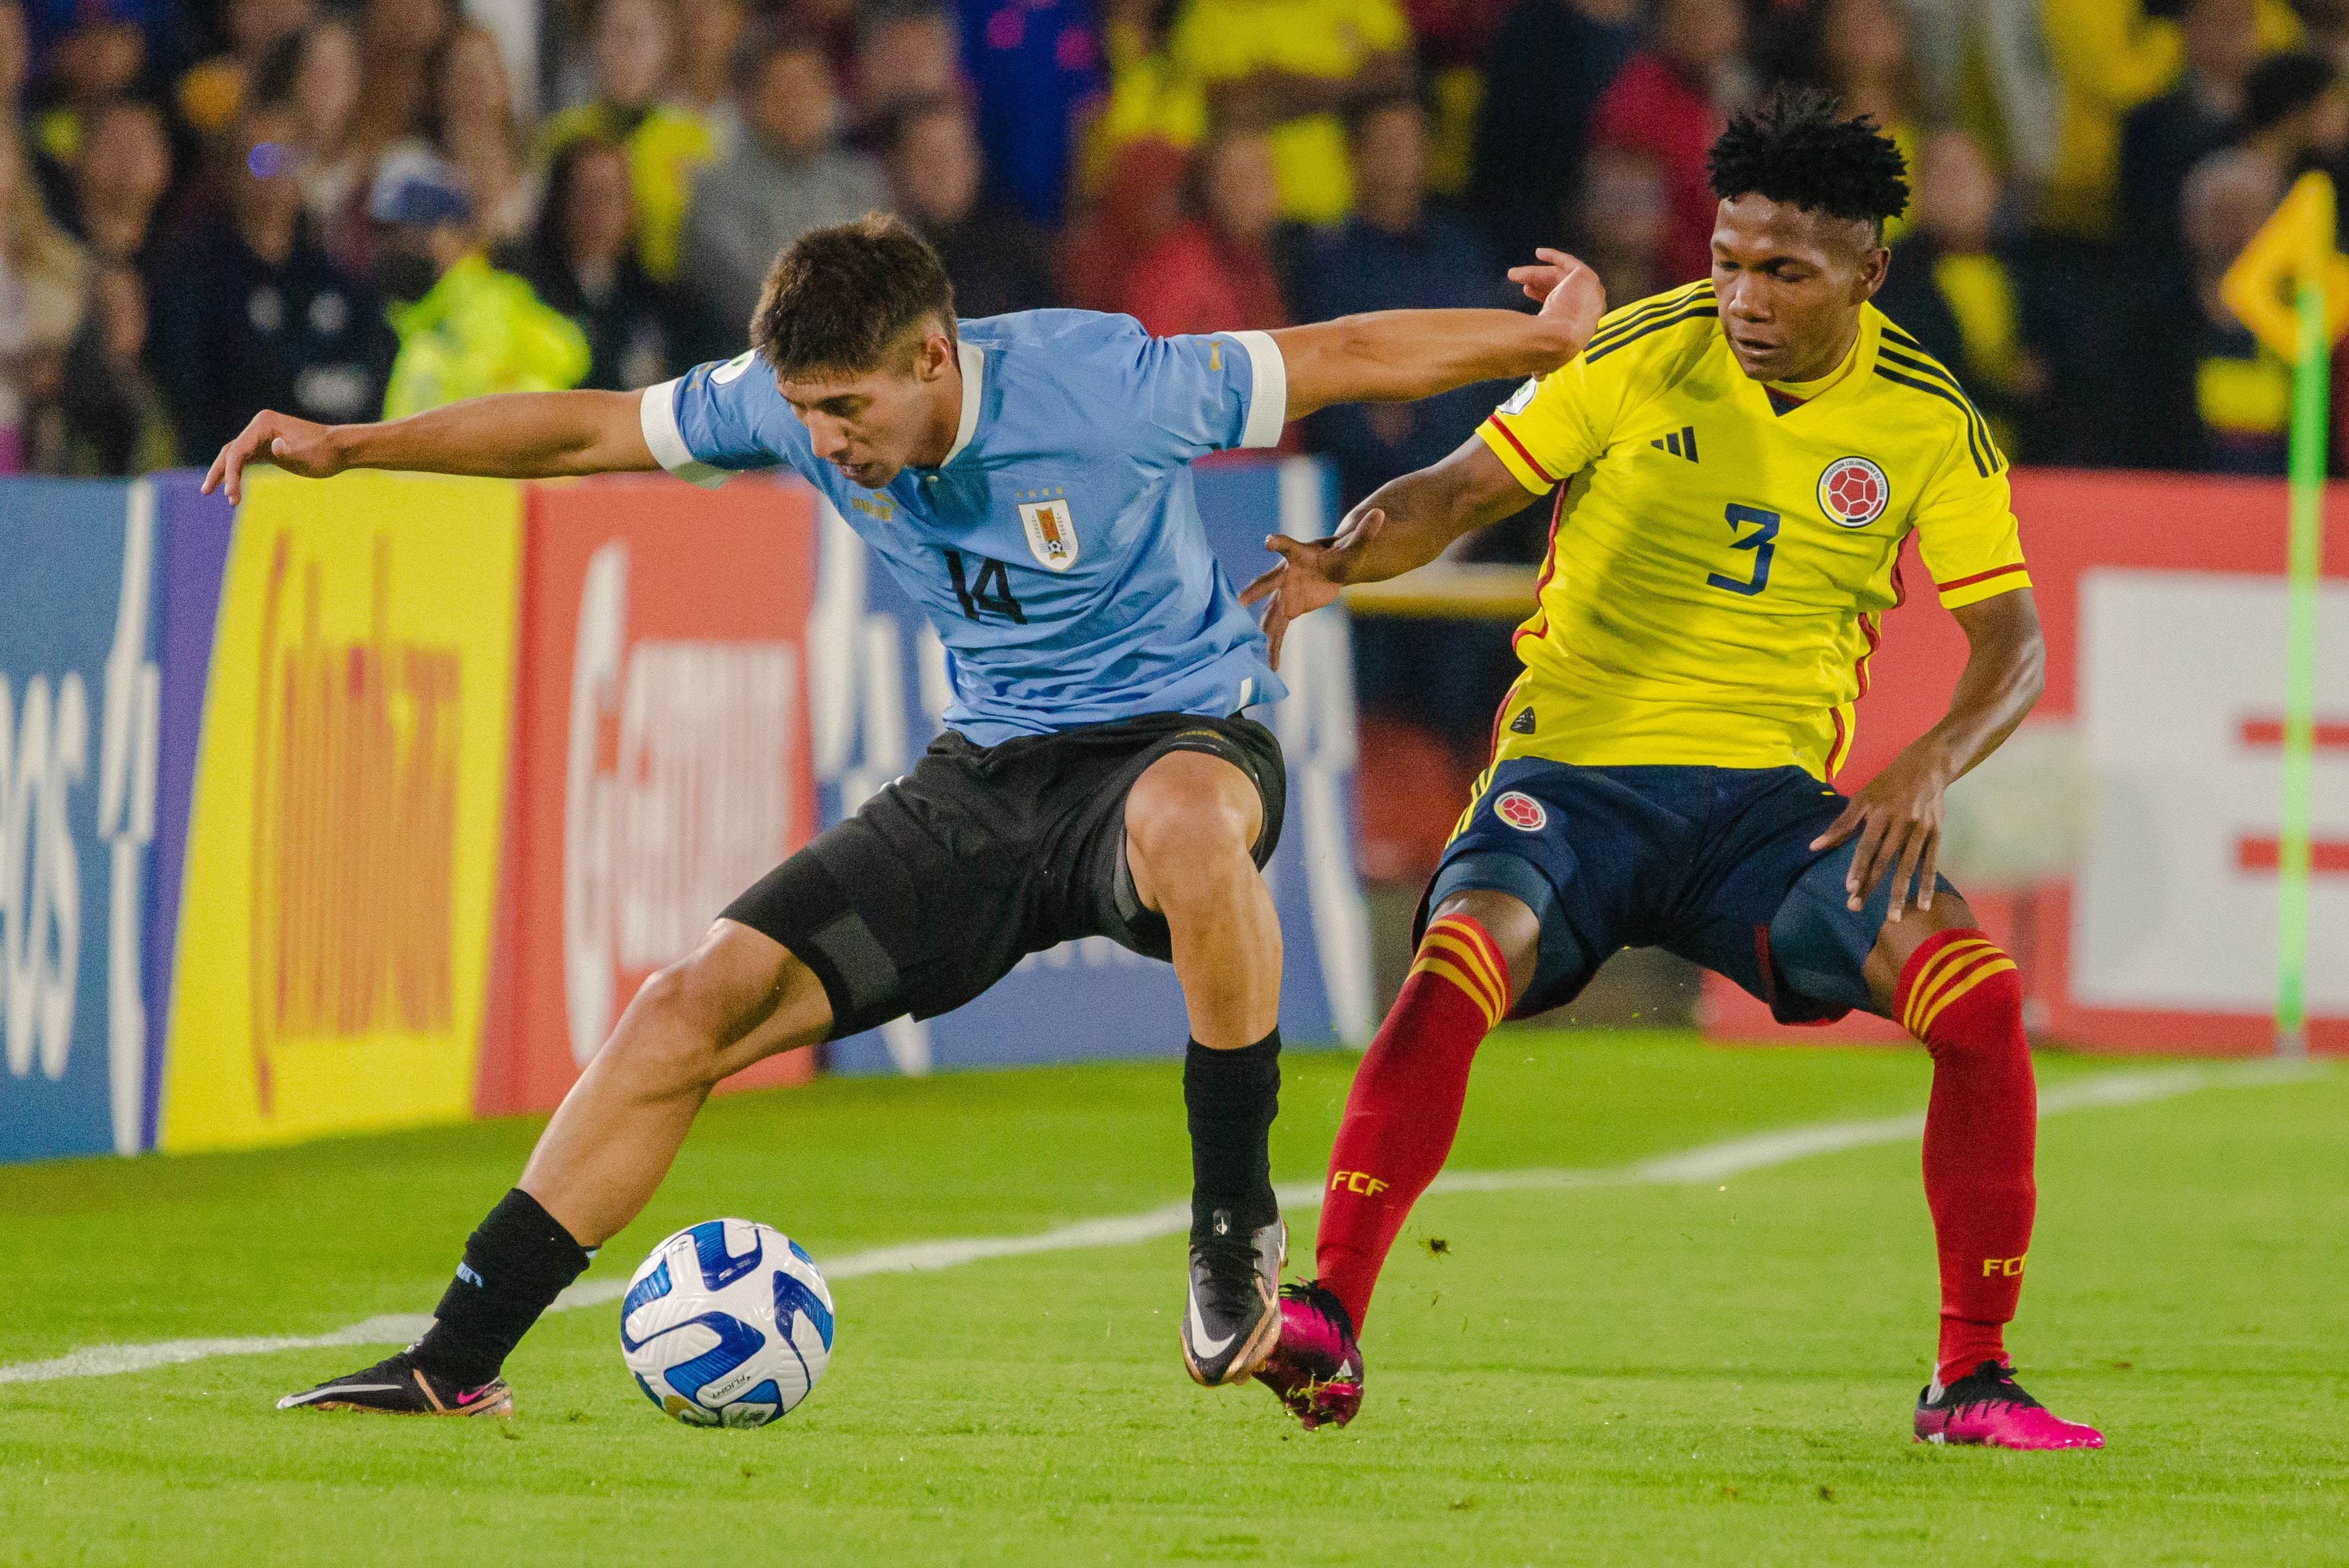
(982, 855)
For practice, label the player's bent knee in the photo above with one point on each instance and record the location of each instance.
(1191, 821)
(715, 1012)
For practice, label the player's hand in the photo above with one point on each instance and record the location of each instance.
(298, 446)
(1309, 573)
(1899, 819)
(1569, 292)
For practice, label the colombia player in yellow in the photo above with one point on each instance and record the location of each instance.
(1738, 463)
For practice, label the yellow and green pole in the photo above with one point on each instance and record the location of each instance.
(2311, 385)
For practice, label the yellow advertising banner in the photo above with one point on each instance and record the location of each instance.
(342, 862)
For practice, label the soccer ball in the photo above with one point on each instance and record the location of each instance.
(728, 1324)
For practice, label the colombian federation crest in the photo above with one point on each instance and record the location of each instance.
(1052, 532)
(1854, 492)
(1521, 811)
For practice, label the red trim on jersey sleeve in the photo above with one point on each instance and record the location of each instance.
(1531, 461)
(1978, 577)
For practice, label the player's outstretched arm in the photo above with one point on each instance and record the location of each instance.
(513, 435)
(1405, 523)
(1898, 814)
(1397, 356)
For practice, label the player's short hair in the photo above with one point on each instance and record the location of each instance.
(847, 298)
(1796, 146)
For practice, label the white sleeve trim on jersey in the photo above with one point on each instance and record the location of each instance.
(1267, 408)
(657, 415)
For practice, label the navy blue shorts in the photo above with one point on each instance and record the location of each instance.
(1715, 864)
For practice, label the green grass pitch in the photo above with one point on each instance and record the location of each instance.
(1633, 1375)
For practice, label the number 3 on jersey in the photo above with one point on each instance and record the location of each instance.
(987, 593)
(1758, 541)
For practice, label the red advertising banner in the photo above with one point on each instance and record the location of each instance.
(2122, 844)
(660, 759)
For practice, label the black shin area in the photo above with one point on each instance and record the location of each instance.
(516, 1263)
(1232, 1098)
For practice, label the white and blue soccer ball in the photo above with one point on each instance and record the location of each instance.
(728, 1324)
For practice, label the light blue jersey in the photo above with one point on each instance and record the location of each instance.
(1058, 550)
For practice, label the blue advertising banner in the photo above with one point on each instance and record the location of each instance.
(80, 696)
(877, 686)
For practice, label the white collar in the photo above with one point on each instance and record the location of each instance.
(974, 376)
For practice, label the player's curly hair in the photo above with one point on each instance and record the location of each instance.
(1796, 147)
(847, 298)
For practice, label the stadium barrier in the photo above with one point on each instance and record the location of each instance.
(437, 770)
(2122, 844)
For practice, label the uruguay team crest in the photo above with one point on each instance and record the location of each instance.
(1052, 532)
(1854, 492)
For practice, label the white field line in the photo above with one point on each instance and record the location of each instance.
(1709, 1163)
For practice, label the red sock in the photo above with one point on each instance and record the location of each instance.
(1405, 1103)
(1962, 996)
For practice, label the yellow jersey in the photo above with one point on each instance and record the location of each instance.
(1722, 552)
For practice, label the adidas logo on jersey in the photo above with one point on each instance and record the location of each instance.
(1680, 443)
(1523, 723)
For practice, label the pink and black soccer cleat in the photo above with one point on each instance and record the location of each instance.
(1987, 1407)
(1316, 1368)
(396, 1386)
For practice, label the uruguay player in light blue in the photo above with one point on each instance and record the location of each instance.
(1027, 478)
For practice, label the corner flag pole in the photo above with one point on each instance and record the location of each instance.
(2311, 383)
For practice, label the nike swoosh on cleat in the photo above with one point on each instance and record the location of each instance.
(1200, 1344)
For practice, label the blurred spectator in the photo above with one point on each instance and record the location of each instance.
(1669, 101)
(1396, 253)
(2163, 139)
(1958, 291)
(118, 183)
(100, 61)
(2160, 142)
(1150, 100)
(113, 418)
(582, 259)
(1214, 273)
(789, 175)
(15, 57)
(1549, 65)
(256, 316)
(2242, 390)
(474, 129)
(2294, 116)
(907, 51)
(666, 144)
(1288, 69)
(1627, 213)
(397, 42)
(996, 262)
(43, 274)
(830, 27)
(315, 77)
(1864, 59)
(1036, 66)
(709, 33)
(2109, 55)
(210, 92)
(1453, 39)
(1141, 204)
(466, 329)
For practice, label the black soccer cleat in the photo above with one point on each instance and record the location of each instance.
(1232, 1320)
(396, 1386)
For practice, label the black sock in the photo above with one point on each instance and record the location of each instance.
(1232, 1098)
(516, 1263)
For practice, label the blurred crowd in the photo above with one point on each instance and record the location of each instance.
(215, 205)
